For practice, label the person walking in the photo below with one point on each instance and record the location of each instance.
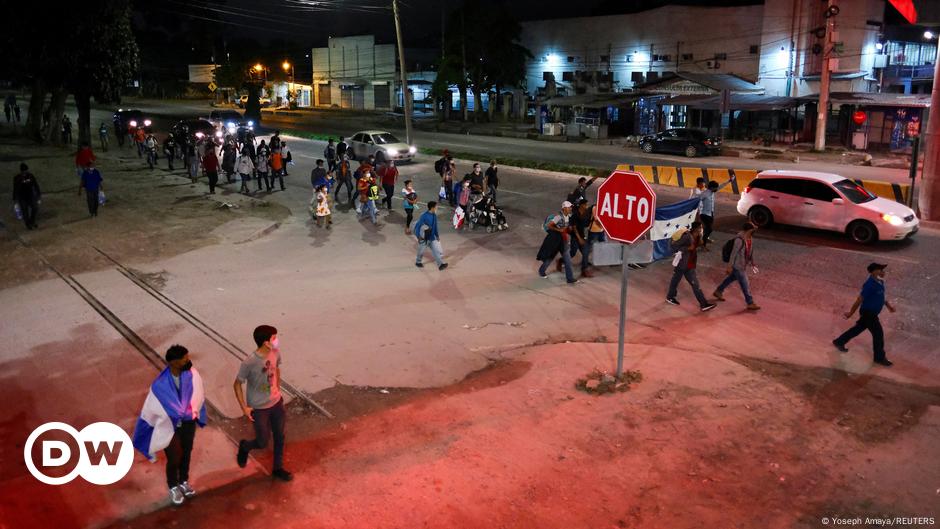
(277, 166)
(169, 150)
(174, 407)
(341, 148)
(103, 136)
(261, 400)
(263, 170)
(228, 161)
(91, 182)
(447, 181)
(245, 169)
(477, 179)
(83, 157)
(27, 196)
(581, 218)
(707, 208)
(389, 175)
(330, 154)
(428, 237)
(580, 192)
(66, 130)
(287, 159)
(210, 162)
(410, 198)
(344, 178)
(684, 267)
(741, 257)
(869, 303)
(368, 196)
(140, 136)
(321, 207)
(317, 174)
(192, 153)
(492, 179)
(557, 239)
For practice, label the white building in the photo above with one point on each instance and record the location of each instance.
(771, 44)
(354, 73)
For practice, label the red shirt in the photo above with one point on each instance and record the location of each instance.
(84, 157)
(210, 162)
(388, 174)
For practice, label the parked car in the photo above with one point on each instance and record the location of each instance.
(265, 102)
(132, 119)
(825, 201)
(231, 122)
(689, 142)
(200, 128)
(384, 145)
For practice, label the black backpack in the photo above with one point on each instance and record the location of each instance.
(726, 250)
(439, 165)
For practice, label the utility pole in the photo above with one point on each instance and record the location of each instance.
(404, 74)
(463, 61)
(822, 109)
(929, 198)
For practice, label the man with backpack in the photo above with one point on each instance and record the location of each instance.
(557, 239)
(330, 154)
(739, 254)
(684, 266)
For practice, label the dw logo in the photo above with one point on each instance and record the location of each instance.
(104, 453)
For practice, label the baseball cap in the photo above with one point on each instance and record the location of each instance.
(875, 266)
(566, 204)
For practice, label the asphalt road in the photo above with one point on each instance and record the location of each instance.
(598, 156)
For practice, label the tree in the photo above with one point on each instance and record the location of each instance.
(103, 59)
(494, 58)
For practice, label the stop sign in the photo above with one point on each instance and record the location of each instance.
(626, 206)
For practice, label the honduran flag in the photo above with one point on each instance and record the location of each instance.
(165, 407)
(669, 220)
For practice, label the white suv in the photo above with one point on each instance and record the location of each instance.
(825, 201)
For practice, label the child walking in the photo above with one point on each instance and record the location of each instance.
(410, 199)
(321, 206)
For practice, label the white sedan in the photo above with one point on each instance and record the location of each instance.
(825, 201)
(383, 145)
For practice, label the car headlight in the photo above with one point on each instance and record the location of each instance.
(392, 152)
(412, 150)
(251, 123)
(199, 135)
(218, 134)
(893, 220)
(146, 122)
(230, 125)
(133, 123)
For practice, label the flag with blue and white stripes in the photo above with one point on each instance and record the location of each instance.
(669, 220)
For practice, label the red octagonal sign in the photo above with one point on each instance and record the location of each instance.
(626, 206)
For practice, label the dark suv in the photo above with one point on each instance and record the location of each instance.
(689, 142)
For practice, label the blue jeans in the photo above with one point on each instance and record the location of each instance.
(435, 247)
(689, 275)
(368, 207)
(269, 423)
(741, 277)
(566, 257)
(591, 239)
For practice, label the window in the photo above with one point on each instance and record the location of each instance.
(817, 191)
(662, 58)
(854, 192)
(780, 185)
(721, 56)
(546, 76)
(636, 77)
(605, 58)
(359, 137)
(687, 56)
(755, 49)
(671, 133)
(384, 139)
(567, 76)
(570, 58)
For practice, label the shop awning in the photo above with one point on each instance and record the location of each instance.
(690, 83)
(593, 100)
(751, 102)
(873, 99)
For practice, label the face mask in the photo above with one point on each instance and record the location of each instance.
(275, 344)
(187, 366)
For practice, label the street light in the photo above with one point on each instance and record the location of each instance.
(928, 34)
(290, 87)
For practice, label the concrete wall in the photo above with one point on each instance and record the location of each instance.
(626, 39)
(355, 61)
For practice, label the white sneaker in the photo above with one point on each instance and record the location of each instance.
(188, 491)
(176, 496)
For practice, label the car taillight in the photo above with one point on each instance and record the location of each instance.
(747, 189)
(708, 142)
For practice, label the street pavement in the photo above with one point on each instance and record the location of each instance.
(352, 308)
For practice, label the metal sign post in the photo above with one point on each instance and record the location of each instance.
(623, 312)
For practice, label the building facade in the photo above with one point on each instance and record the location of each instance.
(354, 73)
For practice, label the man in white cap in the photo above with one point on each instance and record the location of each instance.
(557, 239)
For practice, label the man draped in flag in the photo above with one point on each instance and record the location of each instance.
(167, 422)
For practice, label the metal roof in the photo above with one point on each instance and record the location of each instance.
(714, 81)
(874, 99)
(738, 102)
(593, 100)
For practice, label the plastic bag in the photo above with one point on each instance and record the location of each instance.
(459, 217)
(101, 198)
(17, 211)
(443, 193)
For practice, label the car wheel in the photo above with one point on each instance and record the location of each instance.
(647, 147)
(351, 153)
(691, 151)
(760, 216)
(862, 232)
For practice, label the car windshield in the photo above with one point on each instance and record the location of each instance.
(230, 115)
(384, 138)
(854, 192)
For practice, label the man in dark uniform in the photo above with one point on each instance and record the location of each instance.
(26, 195)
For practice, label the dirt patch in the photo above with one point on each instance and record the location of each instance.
(870, 408)
(149, 214)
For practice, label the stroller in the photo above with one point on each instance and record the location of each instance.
(484, 212)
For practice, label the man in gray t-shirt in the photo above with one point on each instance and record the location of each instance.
(264, 407)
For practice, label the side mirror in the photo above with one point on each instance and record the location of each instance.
(838, 201)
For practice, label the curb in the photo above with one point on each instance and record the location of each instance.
(680, 176)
